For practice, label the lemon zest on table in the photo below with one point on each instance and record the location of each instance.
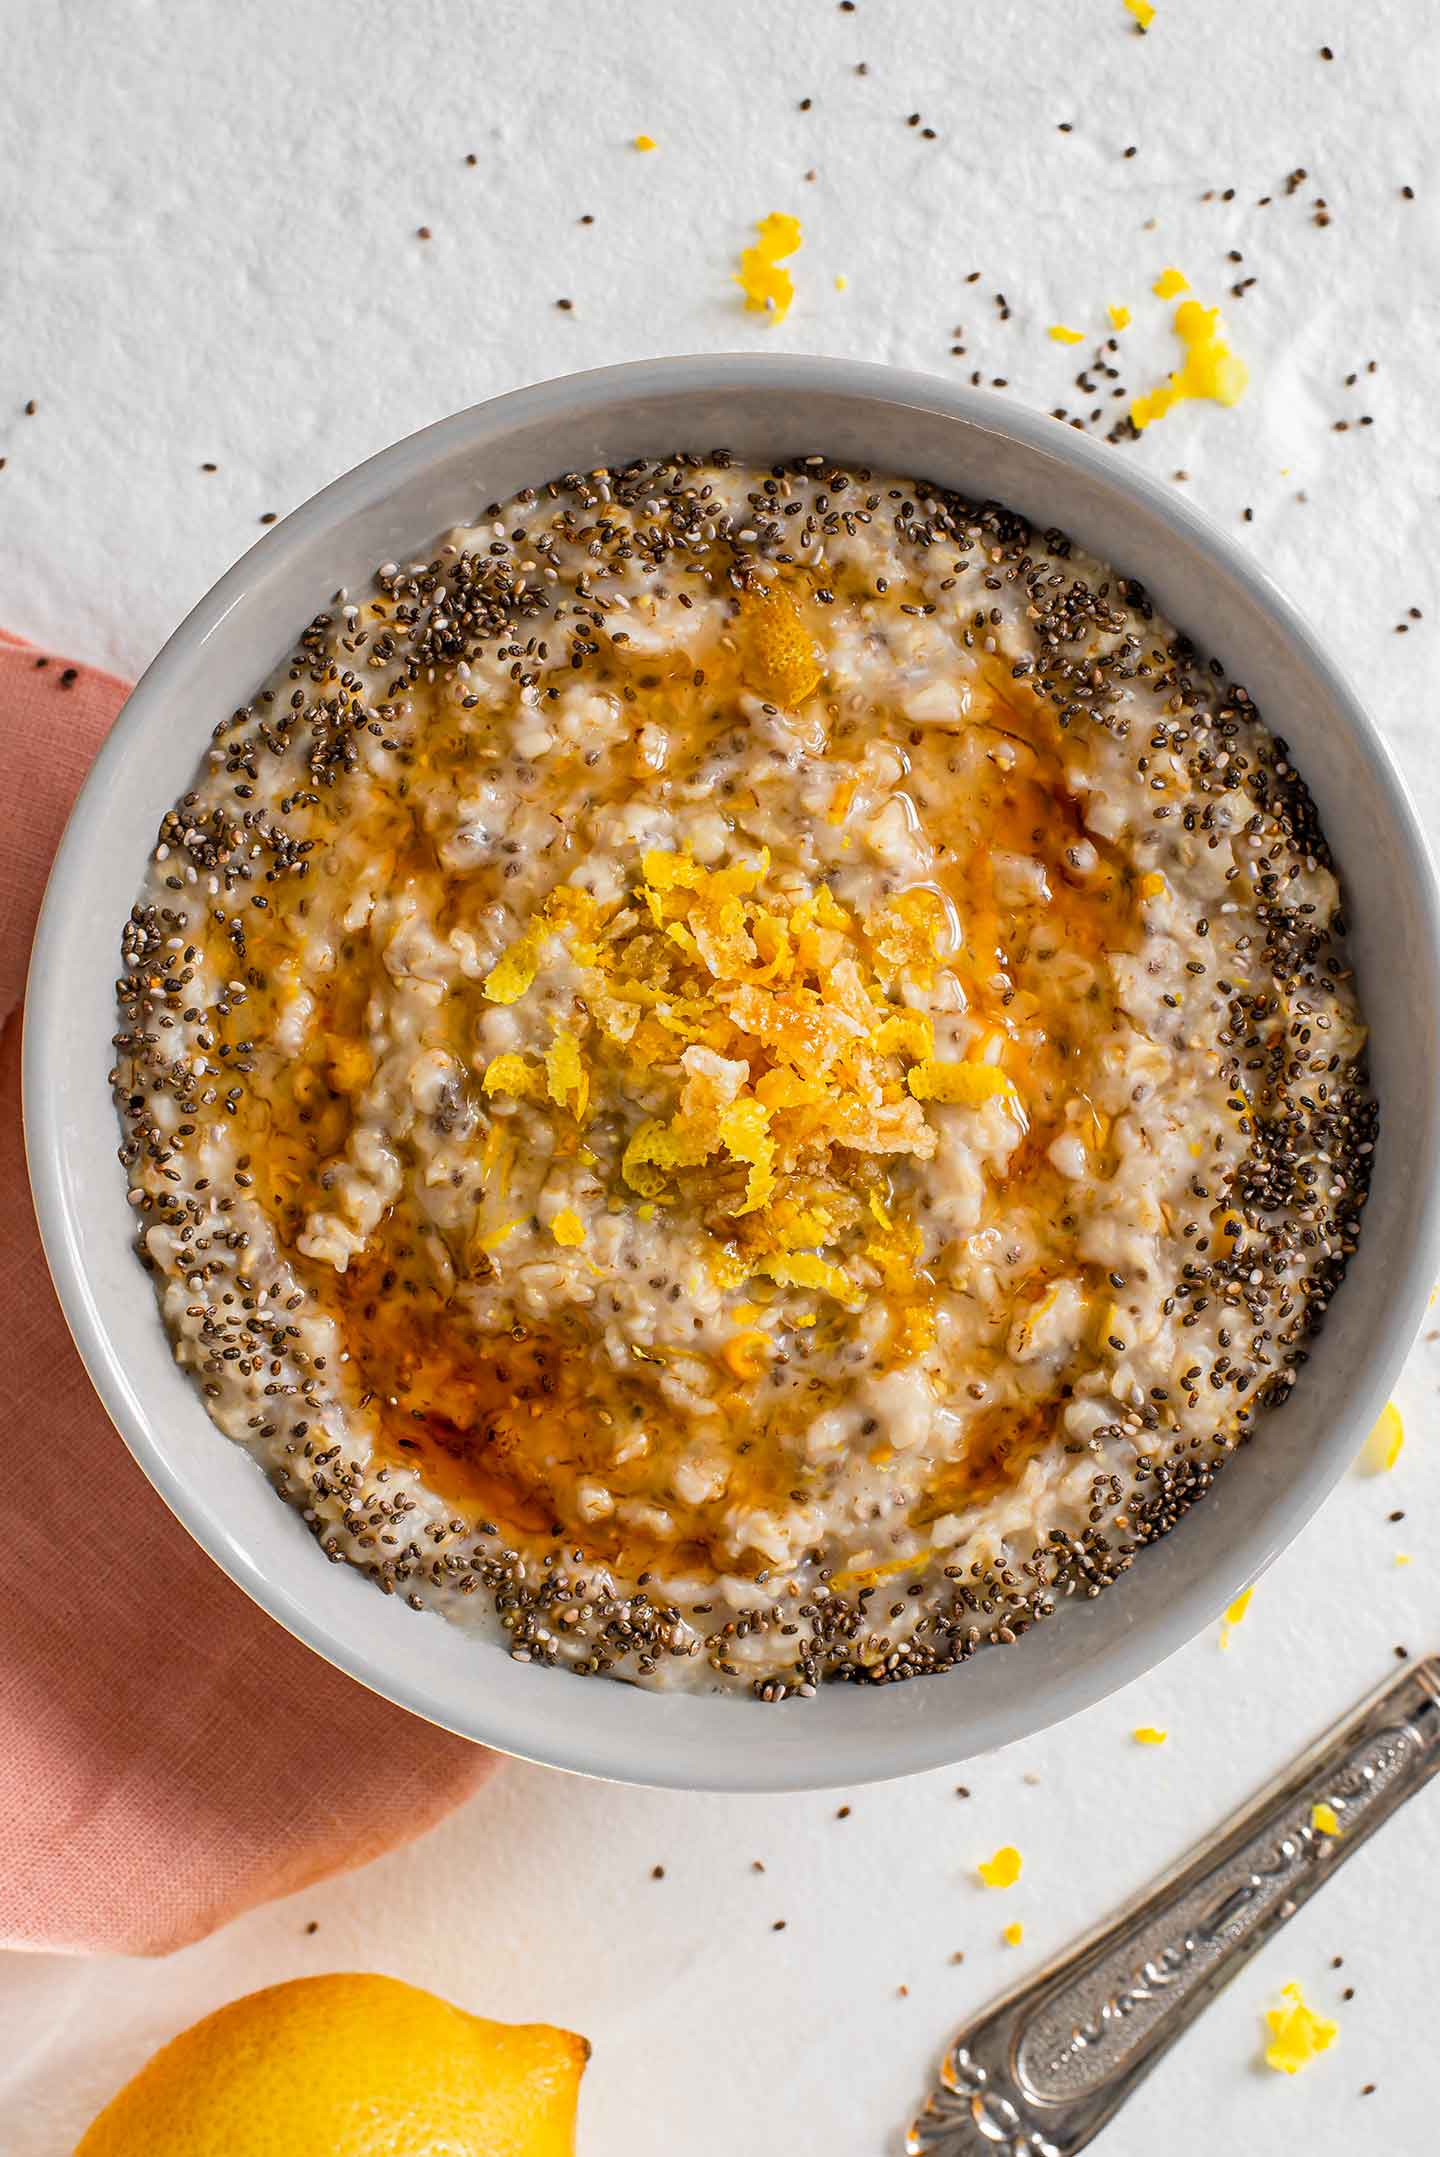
(1147, 1735)
(1297, 2034)
(769, 288)
(1211, 371)
(1383, 1447)
(1060, 334)
(1003, 1869)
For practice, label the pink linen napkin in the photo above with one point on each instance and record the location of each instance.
(168, 1756)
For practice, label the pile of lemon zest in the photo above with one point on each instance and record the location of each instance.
(1003, 1869)
(1382, 1448)
(1063, 336)
(648, 142)
(1297, 2034)
(1325, 1818)
(1211, 369)
(1014, 1933)
(568, 1229)
(1118, 317)
(1169, 282)
(961, 1085)
(747, 1353)
(1146, 1735)
(1143, 12)
(804, 1270)
(766, 286)
(497, 1236)
(516, 1075)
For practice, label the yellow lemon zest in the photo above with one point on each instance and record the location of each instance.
(516, 1075)
(564, 1072)
(646, 142)
(1118, 317)
(1234, 1614)
(768, 288)
(1063, 336)
(517, 966)
(804, 1270)
(1402, 1557)
(1297, 2034)
(1003, 1869)
(1151, 886)
(1168, 283)
(1325, 1818)
(1143, 12)
(962, 1085)
(1014, 1933)
(841, 282)
(1211, 370)
(1383, 1447)
(568, 1229)
(1146, 1735)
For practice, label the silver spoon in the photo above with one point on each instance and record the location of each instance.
(1041, 2072)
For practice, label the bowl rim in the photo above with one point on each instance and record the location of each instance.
(598, 393)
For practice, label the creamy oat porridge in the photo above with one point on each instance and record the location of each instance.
(748, 1076)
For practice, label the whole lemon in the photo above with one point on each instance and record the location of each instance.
(349, 2066)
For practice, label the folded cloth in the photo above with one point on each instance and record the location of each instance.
(168, 1755)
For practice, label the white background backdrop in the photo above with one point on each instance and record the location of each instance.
(209, 252)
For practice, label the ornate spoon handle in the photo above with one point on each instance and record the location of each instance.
(1041, 2072)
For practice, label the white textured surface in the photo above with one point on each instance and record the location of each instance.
(207, 233)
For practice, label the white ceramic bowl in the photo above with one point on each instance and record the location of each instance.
(393, 507)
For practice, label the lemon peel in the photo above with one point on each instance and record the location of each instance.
(1325, 1818)
(1003, 1869)
(516, 967)
(564, 1072)
(1146, 1735)
(646, 142)
(1210, 371)
(1061, 335)
(768, 288)
(1014, 1933)
(1143, 12)
(1169, 282)
(1118, 317)
(1297, 2034)
(568, 1229)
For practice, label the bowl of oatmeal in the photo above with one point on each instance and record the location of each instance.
(751, 1011)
